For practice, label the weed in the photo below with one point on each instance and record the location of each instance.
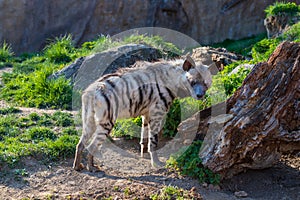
(292, 34)
(172, 192)
(262, 50)
(127, 191)
(62, 119)
(278, 8)
(21, 172)
(167, 49)
(34, 116)
(6, 52)
(189, 163)
(233, 81)
(40, 133)
(9, 110)
(59, 50)
(69, 131)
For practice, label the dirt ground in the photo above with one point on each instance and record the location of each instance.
(35, 180)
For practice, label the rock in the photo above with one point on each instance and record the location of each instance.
(214, 187)
(278, 24)
(94, 66)
(69, 72)
(86, 70)
(27, 24)
(237, 68)
(220, 57)
(241, 194)
(263, 121)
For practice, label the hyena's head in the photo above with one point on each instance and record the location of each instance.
(198, 78)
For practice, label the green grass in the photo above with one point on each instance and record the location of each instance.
(187, 162)
(172, 192)
(292, 34)
(241, 46)
(60, 50)
(278, 8)
(28, 84)
(6, 52)
(34, 136)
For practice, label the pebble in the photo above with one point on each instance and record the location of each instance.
(241, 194)
(60, 171)
(214, 187)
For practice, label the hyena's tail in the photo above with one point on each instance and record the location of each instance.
(88, 117)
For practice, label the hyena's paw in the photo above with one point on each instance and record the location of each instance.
(158, 164)
(78, 167)
(93, 168)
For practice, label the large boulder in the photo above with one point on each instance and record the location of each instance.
(86, 70)
(27, 24)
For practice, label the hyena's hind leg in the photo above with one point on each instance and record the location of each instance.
(144, 133)
(93, 147)
(156, 123)
(88, 128)
(77, 165)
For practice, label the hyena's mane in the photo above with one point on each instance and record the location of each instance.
(121, 71)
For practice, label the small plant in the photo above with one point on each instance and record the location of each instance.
(172, 192)
(9, 110)
(34, 116)
(292, 34)
(127, 191)
(233, 81)
(41, 133)
(6, 52)
(60, 49)
(129, 128)
(69, 131)
(21, 172)
(262, 50)
(278, 8)
(62, 119)
(189, 163)
(167, 49)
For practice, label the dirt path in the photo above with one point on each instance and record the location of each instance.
(34, 180)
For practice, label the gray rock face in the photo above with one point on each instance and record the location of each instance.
(27, 24)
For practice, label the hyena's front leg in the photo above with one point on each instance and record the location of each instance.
(156, 122)
(144, 133)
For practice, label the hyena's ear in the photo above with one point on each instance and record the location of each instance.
(188, 63)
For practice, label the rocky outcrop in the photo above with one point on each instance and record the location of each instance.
(218, 56)
(278, 24)
(260, 122)
(27, 24)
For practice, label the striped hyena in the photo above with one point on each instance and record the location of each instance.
(146, 90)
